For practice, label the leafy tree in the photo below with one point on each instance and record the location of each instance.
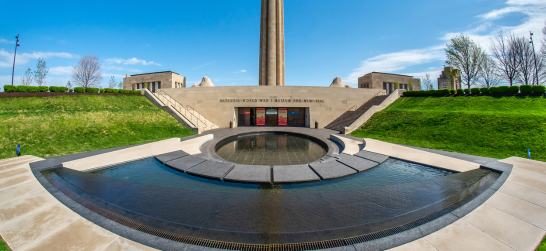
(69, 85)
(112, 83)
(41, 72)
(87, 72)
(27, 78)
(396, 85)
(410, 85)
(120, 85)
(504, 49)
(426, 83)
(462, 53)
(489, 73)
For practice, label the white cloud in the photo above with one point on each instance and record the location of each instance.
(61, 70)
(130, 61)
(396, 61)
(482, 33)
(203, 65)
(6, 58)
(241, 71)
(4, 41)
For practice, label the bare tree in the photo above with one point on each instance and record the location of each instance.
(462, 53)
(504, 50)
(489, 74)
(27, 78)
(112, 83)
(526, 61)
(426, 83)
(41, 72)
(543, 49)
(87, 72)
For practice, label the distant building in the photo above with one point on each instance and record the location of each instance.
(450, 79)
(155, 81)
(385, 81)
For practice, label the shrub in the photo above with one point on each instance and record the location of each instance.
(504, 89)
(79, 89)
(70, 90)
(466, 91)
(42, 89)
(23, 88)
(493, 90)
(514, 89)
(92, 90)
(57, 89)
(536, 89)
(442, 92)
(115, 90)
(475, 91)
(452, 92)
(526, 88)
(101, 90)
(460, 91)
(10, 88)
(126, 91)
(33, 89)
(138, 92)
(484, 90)
(430, 93)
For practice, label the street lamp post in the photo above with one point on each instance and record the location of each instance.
(536, 69)
(14, 56)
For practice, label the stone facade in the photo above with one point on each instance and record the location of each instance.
(272, 43)
(156, 80)
(385, 81)
(450, 79)
(220, 104)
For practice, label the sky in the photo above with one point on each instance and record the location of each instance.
(220, 39)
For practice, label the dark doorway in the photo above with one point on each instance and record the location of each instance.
(271, 117)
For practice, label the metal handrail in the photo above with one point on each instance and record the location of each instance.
(184, 111)
(354, 116)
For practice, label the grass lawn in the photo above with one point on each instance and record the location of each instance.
(3, 245)
(54, 126)
(542, 246)
(497, 127)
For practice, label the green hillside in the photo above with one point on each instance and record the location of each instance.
(70, 124)
(497, 127)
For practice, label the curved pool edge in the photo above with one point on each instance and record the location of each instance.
(152, 241)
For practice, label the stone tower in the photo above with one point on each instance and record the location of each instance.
(272, 43)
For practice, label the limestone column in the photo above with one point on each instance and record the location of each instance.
(272, 43)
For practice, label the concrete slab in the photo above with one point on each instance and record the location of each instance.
(527, 182)
(3, 161)
(171, 156)
(12, 165)
(125, 155)
(15, 171)
(294, 174)
(79, 235)
(23, 231)
(351, 145)
(332, 170)
(417, 245)
(419, 156)
(524, 193)
(508, 229)
(211, 169)
(376, 157)
(461, 235)
(360, 164)
(250, 174)
(122, 244)
(17, 192)
(15, 180)
(192, 145)
(185, 163)
(526, 211)
(20, 207)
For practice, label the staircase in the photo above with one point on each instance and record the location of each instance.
(347, 118)
(195, 119)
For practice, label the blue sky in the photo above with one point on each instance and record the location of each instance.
(220, 39)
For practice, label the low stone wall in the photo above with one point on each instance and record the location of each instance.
(376, 108)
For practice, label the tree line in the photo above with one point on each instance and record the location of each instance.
(87, 74)
(510, 59)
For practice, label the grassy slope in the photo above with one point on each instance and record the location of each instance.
(71, 124)
(497, 127)
(3, 245)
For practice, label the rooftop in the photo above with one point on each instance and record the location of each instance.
(391, 74)
(155, 73)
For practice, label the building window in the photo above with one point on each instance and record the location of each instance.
(158, 85)
(138, 86)
(384, 86)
